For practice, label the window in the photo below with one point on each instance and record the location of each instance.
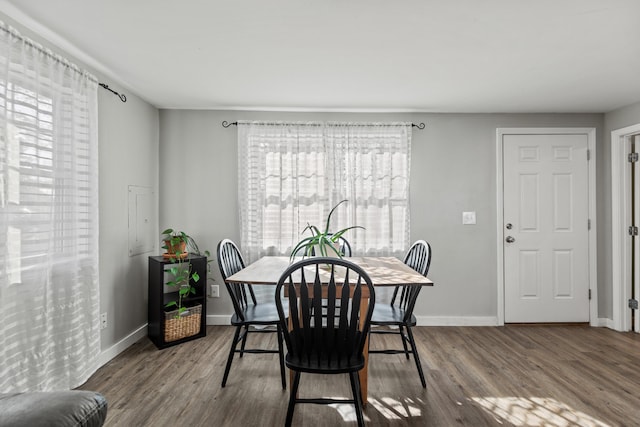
(291, 174)
(49, 295)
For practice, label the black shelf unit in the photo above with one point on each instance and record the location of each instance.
(159, 295)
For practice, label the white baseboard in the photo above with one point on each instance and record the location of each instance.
(122, 345)
(457, 321)
(485, 321)
(218, 319)
(221, 320)
(603, 322)
(141, 332)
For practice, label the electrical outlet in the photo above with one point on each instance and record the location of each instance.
(103, 321)
(214, 291)
(469, 218)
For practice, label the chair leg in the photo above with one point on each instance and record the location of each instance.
(230, 358)
(404, 341)
(292, 398)
(281, 357)
(244, 340)
(416, 357)
(357, 396)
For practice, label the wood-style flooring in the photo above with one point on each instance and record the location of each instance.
(476, 376)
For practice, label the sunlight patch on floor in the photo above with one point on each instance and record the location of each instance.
(536, 411)
(346, 411)
(393, 409)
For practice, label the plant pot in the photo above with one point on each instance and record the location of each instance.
(330, 252)
(174, 249)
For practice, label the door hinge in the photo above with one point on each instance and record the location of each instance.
(633, 304)
(588, 224)
(589, 294)
(588, 155)
(633, 157)
(633, 230)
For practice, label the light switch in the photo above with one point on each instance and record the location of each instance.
(468, 217)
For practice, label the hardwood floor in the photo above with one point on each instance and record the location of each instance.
(476, 376)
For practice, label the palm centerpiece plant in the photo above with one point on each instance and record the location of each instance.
(321, 243)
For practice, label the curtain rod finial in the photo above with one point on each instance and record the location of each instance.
(122, 96)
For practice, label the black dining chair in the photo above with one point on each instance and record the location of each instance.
(328, 344)
(399, 312)
(344, 247)
(248, 313)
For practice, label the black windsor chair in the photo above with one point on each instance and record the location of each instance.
(344, 247)
(247, 311)
(399, 312)
(325, 344)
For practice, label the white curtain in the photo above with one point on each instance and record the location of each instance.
(49, 295)
(291, 174)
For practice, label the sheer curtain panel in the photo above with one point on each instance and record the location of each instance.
(49, 295)
(291, 174)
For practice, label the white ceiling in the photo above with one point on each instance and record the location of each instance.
(354, 55)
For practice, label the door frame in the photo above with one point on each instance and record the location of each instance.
(591, 146)
(620, 220)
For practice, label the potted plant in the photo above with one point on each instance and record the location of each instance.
(175, 243)
(182, 321)
(321, 243)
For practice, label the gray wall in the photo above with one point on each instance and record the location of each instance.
(128, 138)
(128, 150)
(453, 169)
(620, 118)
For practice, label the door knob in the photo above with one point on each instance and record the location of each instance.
(510, 239)
(509, 226)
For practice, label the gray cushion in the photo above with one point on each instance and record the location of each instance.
(55, 408)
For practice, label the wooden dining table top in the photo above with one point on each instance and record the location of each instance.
(383, 271)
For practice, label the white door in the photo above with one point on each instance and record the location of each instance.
(546, 205)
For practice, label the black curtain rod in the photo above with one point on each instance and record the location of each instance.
(226, 124)
(122, 97)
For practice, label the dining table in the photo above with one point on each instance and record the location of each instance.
(383, 271)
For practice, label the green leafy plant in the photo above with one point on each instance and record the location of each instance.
(182, 276)
(321, 241)
(179, 244)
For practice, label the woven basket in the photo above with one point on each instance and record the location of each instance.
(176, 328)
